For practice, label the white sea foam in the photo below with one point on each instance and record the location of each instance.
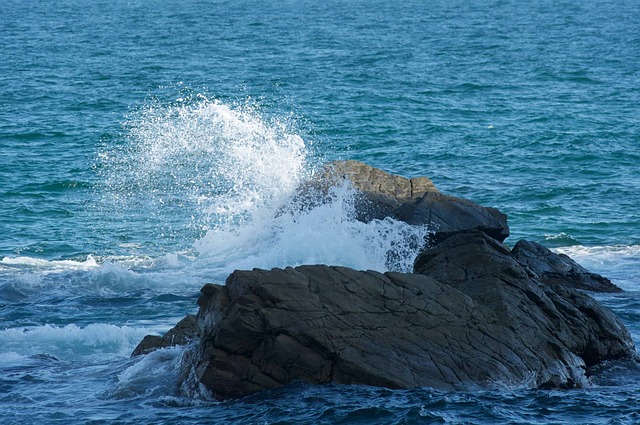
(326, 233)
(620, 263)
(561, 237)
(72, 341)
(11, 358)
(27, 277)
(162, 374)
(156, 372)
(602, 252)
(48, 266)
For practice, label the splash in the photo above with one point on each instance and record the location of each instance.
(326, 232)
(197, 162)
(230, 173)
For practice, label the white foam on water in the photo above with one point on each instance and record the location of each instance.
(48, 266)
(72, 341)
(11, 358)
(24, 277)
(602, 252)
(620, 263)
(561, 237)
(156, 371)
(164, 375)
(326, 233)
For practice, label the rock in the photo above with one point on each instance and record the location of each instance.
(559, 269)
(389, 190)
(569, 322)
(451, 215)
(181, 334)
(416, 201)
(471, 317)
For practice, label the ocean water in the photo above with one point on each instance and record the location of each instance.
(147, 148)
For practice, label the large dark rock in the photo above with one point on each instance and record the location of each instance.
(559, 269)
(416, 201)
(471, 317)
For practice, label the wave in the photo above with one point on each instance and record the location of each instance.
(110, 280)
(47, 266)
(328, 233)
(561, 238)
(152, 375)
(630, 252)
(229, 173)
(96, 263)
(72, 341)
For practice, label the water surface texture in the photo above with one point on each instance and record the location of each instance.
(147, 148)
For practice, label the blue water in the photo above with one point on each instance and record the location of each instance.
(146, 146)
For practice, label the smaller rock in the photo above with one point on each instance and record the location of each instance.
(180, 334)
(559, 269)
(416, 201)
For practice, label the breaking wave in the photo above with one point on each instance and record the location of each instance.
(71, 341)
(227, 173)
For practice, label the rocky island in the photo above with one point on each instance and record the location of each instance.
(473, 314)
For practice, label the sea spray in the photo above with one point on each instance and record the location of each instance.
(326, 232)
(226, 176)
(189, 165)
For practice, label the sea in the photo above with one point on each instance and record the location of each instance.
(150, 147)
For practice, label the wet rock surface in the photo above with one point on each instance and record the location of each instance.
(559, 269)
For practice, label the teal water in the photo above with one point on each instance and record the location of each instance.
(144, 147)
